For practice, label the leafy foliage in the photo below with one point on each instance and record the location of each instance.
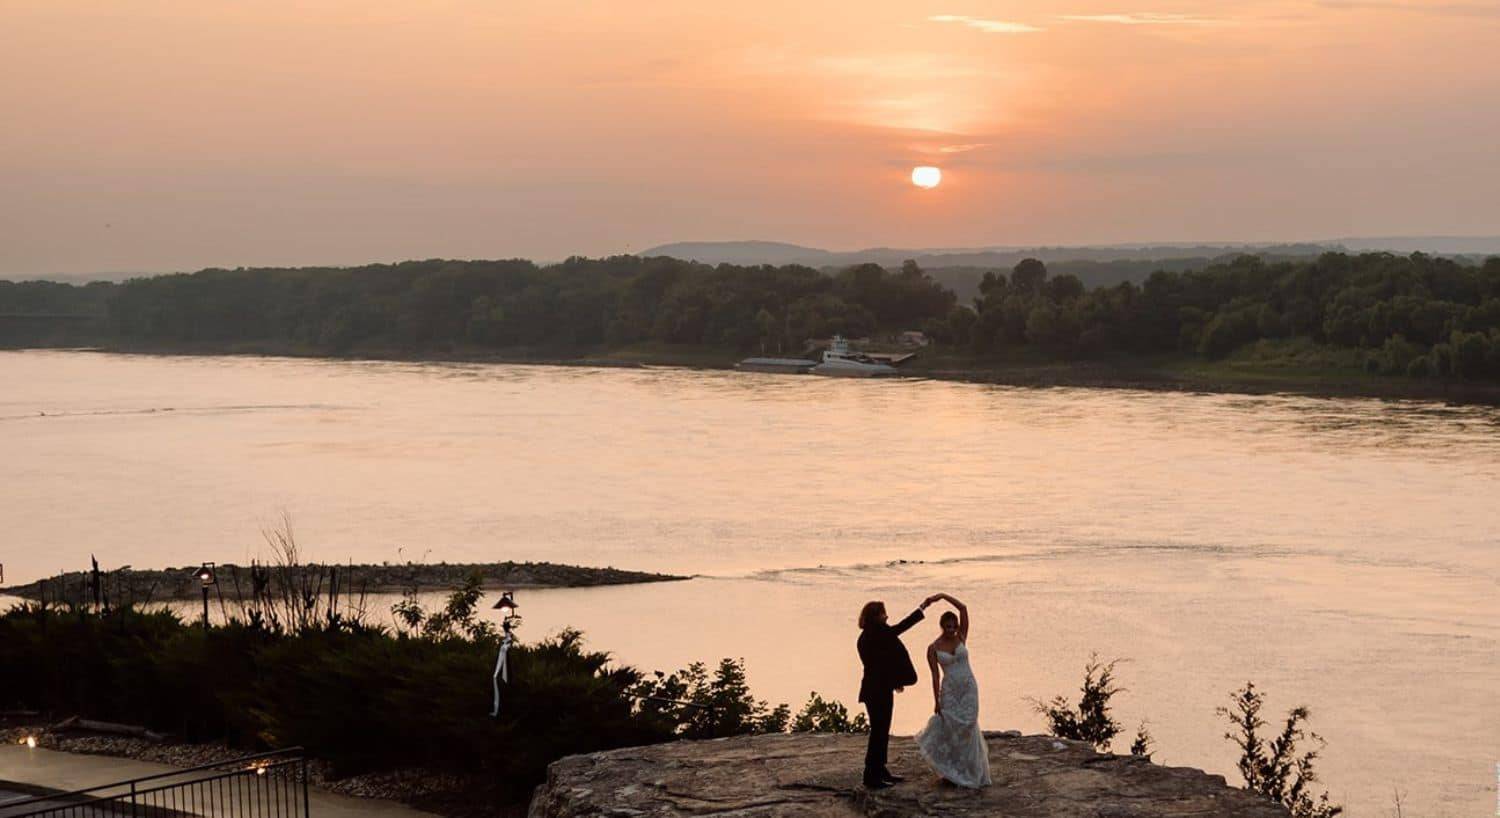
(1414, 315)
(1274, 768)
(458, 618)
(821, 715)
(579, 303)
(701, 705)
(1091, 720)
(1141, 744)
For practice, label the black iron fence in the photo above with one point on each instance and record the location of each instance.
(267, 785)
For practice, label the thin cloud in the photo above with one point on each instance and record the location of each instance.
(987, 26)
(963, 148)
(1444, 9)
(1143, 19)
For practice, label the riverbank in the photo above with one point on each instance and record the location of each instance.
(176, 584)
(1259, 369)
(1236, 375)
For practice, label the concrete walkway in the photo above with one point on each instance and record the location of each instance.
(75, 771)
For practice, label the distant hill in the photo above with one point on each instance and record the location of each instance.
(1434, 245)
(963, 263)
(743, 252)
(960, 269)
(768, 252)
(74, 278)
(997, 257)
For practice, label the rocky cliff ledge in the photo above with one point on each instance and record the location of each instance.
(818, 775)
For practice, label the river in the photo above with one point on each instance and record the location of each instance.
(1341, 553)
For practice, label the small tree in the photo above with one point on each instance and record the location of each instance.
(1028, 276)
(1274, 768)
(1141, 746)
(821, 715)
(1091, 722)
(717, 705)
(457, 619)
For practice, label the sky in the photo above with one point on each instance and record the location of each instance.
(148, 135)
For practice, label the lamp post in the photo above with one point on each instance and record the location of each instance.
(206, 578)
(507, 606)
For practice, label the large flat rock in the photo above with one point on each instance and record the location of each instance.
(808, 774)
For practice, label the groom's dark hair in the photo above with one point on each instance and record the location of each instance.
(870, 612)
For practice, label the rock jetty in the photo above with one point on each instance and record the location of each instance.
(131, 585)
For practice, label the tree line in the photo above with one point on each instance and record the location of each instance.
(1413, 315)
(1410, 315)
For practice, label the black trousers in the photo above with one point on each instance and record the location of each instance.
(878, 705)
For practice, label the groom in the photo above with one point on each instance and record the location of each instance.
(888, 669)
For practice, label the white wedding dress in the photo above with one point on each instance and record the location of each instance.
(952, 742)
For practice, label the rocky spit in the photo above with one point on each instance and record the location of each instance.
(134, 586)
(806, 775)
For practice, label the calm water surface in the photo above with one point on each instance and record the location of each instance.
(1343, 554)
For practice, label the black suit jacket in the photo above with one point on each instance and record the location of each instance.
(887, 664)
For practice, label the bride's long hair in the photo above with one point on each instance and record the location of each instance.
(870, 613)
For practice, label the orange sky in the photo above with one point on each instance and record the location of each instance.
(152, 135)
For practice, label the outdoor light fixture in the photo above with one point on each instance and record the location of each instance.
(29, 741)
(205, 575)
(206, 578)
(507, 605)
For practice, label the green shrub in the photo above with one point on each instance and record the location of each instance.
(1091, 721)
(827, 716)
(1396, 355)
(1471, 354)
(1276, 768)
(697, 705)
(1228, 330)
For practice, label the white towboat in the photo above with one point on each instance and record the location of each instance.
(840, 361)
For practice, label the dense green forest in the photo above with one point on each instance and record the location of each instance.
(1412, 315)
(964, 280)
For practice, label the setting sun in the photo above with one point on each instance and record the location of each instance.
(926, 176)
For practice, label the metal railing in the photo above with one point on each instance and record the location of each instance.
(266, 785)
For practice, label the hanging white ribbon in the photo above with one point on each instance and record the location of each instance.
(502, 673)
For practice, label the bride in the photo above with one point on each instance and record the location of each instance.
(951, 742)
